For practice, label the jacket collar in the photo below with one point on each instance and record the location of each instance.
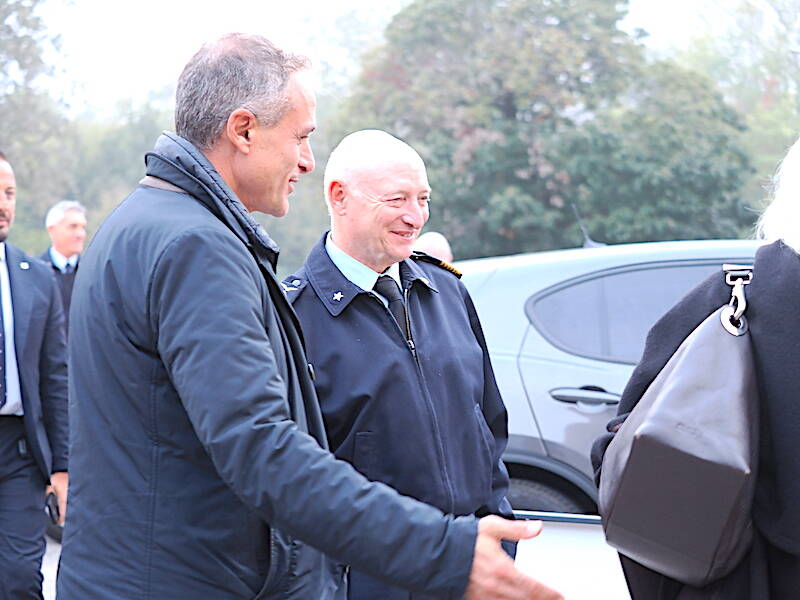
(179, 162)
(335, 291)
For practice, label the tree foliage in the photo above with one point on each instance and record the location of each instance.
(667, 165)
(34, 133)
(524, 107)
(756, 63)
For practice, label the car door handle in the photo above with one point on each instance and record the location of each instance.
(585, 396)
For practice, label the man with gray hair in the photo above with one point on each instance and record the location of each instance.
(66, 226)
(199, 460)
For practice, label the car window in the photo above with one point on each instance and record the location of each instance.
(607, 315)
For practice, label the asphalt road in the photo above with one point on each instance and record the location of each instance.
(49, 567)
(571, 558)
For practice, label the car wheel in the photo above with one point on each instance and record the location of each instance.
(534, 495)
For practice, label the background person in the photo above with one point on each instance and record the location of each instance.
(66, 226)
(771, 569)
(200, 467)
(435, 244)
(407, 390)
(33, 405)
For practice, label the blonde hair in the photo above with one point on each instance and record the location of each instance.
(781, 219)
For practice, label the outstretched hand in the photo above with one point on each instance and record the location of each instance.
(493, 574)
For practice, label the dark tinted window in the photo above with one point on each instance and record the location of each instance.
(608, 316)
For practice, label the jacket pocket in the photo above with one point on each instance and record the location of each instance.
(487, 443)
(279, 563)
(364, 454)
(300, 572)
(486, 435)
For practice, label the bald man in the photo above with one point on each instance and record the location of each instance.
(403, 374)
(435, 244)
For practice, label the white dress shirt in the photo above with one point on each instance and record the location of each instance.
(13, 405)
(61, 261)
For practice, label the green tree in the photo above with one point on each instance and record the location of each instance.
(503, 99)
(34, 133)
(110, 155)
(339, 45)
(755, 61)
(667, 164)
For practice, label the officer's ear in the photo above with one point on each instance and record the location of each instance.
(337, 197)
(240, 128)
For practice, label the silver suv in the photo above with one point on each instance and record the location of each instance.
(565, 329)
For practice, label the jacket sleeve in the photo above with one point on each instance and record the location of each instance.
(494, 412)
(208, 307)
(53, 379)
(662, 341)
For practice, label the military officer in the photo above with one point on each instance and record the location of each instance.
(402, 370)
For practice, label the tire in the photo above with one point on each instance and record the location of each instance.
(534, 495)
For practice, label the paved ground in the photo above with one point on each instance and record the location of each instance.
(573, 559)
(49, 566)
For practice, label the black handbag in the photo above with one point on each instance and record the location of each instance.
(677, 482)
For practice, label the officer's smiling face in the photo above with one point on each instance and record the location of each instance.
(383, 209)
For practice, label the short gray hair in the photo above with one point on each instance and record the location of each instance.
(56, 213)
(236, 71)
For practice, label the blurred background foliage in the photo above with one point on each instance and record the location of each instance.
(524, 110)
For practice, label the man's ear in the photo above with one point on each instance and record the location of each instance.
(239, 129)
(337, 197)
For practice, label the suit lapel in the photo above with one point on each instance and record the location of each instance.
(21, 298)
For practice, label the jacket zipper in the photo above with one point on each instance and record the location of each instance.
(420, 378)
(410, 340)
(424, 391)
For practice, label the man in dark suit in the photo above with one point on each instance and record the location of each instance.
(33, 405)
(66, 226)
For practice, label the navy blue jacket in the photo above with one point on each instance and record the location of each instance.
(199, 461)
(429, 423)
(39, 339)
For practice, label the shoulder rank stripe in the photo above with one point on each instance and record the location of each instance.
(417, 255)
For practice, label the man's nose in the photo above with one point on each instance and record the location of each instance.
(306, 162)
(415, 215)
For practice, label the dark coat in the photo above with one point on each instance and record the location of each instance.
(65, 282)
(198, 446)
(774, 322)
(428, 422)
(41, 358)
(433, 426)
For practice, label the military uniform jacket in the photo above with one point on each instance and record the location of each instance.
(199, 460)
(428, 421)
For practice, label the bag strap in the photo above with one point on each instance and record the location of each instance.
(732, 316)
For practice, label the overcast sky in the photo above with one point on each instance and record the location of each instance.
(113, 50)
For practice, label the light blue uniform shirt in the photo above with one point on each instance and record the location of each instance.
(357, 272)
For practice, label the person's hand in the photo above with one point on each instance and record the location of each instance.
(60, 482)
(493, 574)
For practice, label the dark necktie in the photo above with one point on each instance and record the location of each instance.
(387, 287)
